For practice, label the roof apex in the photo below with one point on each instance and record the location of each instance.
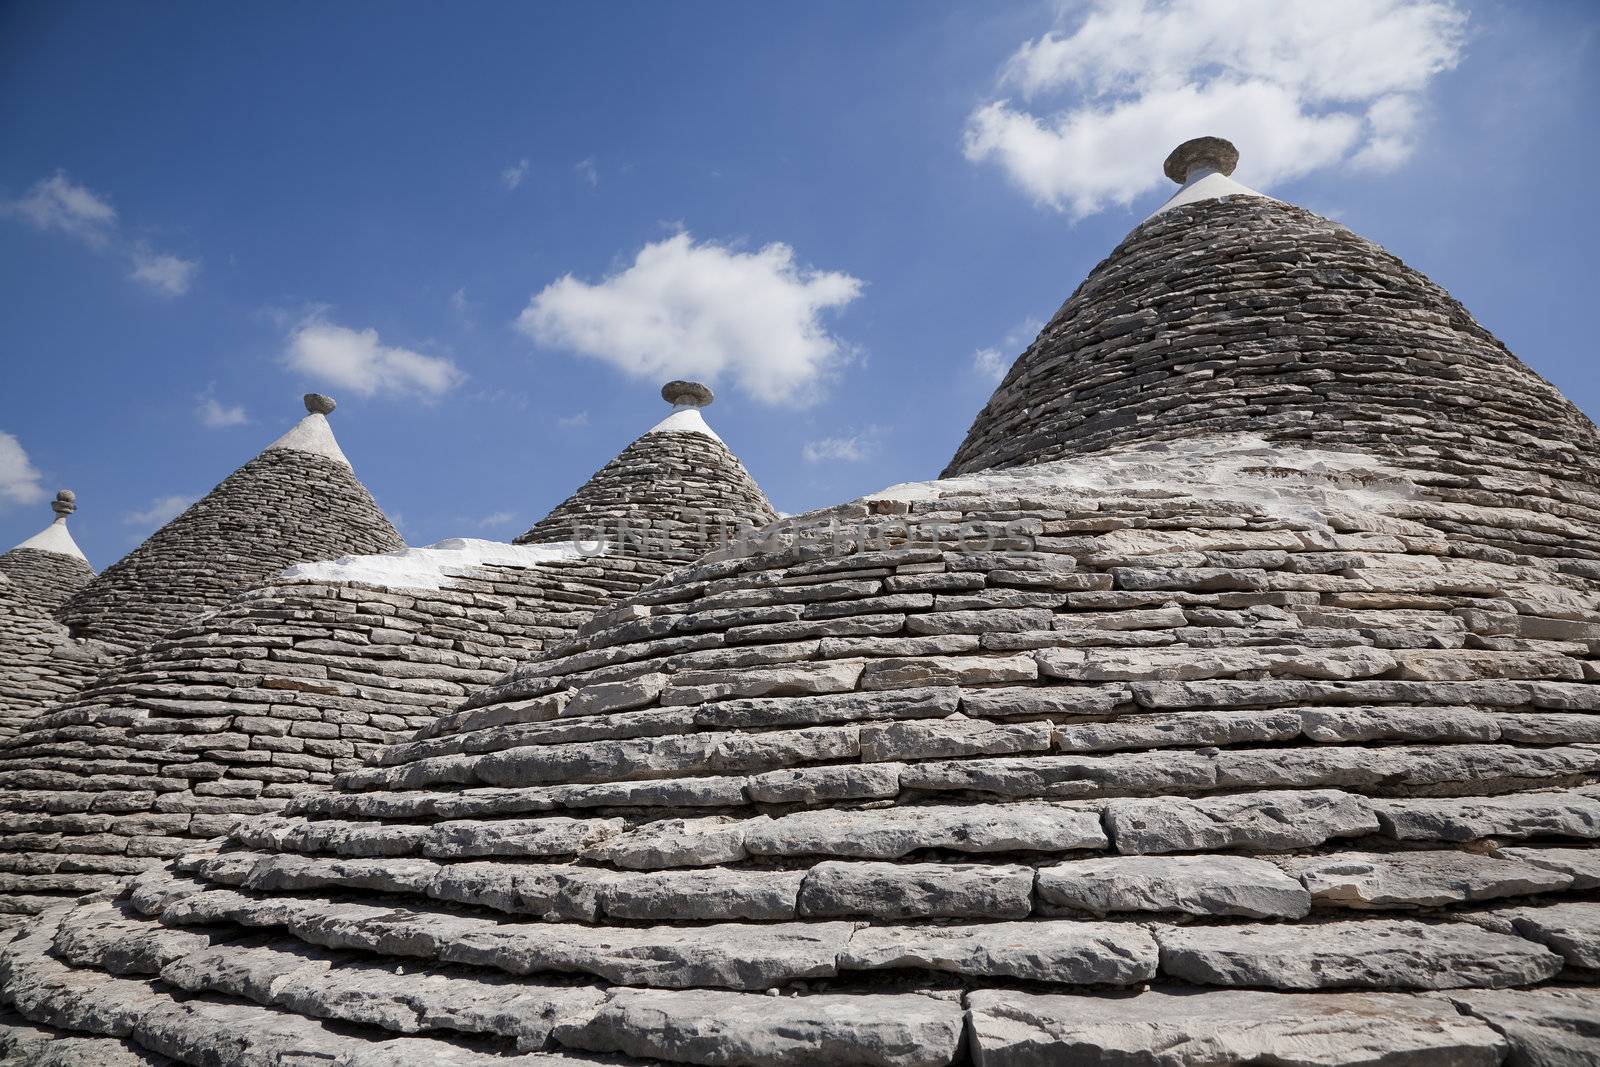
(56, 537)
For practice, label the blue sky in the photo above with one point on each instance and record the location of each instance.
(493, 230)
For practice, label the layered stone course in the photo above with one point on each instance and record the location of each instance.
(44, 580)
(669, 495)
(40, 663)
(1040, 767)
(283, 507)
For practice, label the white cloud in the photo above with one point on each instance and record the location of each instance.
(61, 204)
(850, 448)
(1296, 84)
(359, 361)
(495, 520)
(585, 169)
(703, 310)
(166, 274)
(992, 361)
(458, 301)
(216, 415)
(20, 480)
(573, 421)
(159, 512)
(512, 176)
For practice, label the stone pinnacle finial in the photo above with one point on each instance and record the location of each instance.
(65, 503)
(1215, 153)
(319, 404)
(687, 394)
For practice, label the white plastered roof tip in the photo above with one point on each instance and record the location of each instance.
(1205, 183)
(685, 418)
(434, 566)
(312, 434)
(55, 538)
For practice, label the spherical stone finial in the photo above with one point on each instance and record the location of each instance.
(319, 404)
(65, 503)
(1214, 152)
(687, 394)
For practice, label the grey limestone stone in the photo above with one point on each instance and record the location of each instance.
(1197, 885)
(1270, 821)
(1063, 951)
(916, 890)
(1418, 879)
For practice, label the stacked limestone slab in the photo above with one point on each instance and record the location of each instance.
(298, 500)
(242, 709)
(1206, 749)
(40, 663)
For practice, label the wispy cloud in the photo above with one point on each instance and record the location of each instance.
(585, 169)
(1297, 84)
(512, 176)
(851, 447)
(159, 512)
(59, 204)
(359, 361)
(703, 310)
(20, 481)
(992, 361)
(495, 520)
(573, 421)
(216, 415)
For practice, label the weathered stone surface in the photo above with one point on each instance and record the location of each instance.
(1582, 865)
(1198, 885)
(1068, 952)
(1271, 821)
(917, 890)
(1544, 1027)
(1418, 879)
(1560, 814)
(1171, 1029)
(1370, 954)
(890, 833)
(954, 736)
(820, 1030)
(676, 843)
(1573, 930)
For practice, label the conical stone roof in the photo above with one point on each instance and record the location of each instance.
(675, 493)
(39, 662)
(298, 500)
(241, 709)
(1195, 750)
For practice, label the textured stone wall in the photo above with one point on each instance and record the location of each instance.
(1249, 315)
(243, 709)
(1190, 754)
(281, 508)
(45, 580)
(40, 663)
(680, 492)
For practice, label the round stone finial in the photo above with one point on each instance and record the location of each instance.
(1214, 152)
(319, 404)
(65, 503)
(687, 394)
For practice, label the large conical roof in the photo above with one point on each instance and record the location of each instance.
(49, 567)
(674, 493)
(298, 500)
(1200, 749)
(1228, 311)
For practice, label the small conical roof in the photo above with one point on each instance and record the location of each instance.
(1228, 311)
(675, 493)
(49, 567)
(298, 500)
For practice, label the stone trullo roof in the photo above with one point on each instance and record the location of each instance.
(298, 500)
(244, 708)
(676, 492)
(39, 662)
(1199, 749)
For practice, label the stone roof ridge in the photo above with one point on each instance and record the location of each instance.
(56, 537)
(313, 434)
(1203, 168)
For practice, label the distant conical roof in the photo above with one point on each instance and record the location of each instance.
(49, 567)
(298, 500)
(676, 492)
(1228, 311)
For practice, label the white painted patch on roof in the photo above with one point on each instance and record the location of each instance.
(312, 434)
(685, 418)
(1205, 183)
(55, 538)
(434, 566)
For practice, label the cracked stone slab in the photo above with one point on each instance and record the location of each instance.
(1274, 820)
(1581, 864)
(1554, 814)
(822, 1030)
(1545, 1027)
(1367, 954)
(1573, 929)
(889, 833)
(1063, 951)
(1214, 1027)
(1418, 879)
(1197, 885)
(917, 890)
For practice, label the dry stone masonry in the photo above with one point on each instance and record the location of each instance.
(239, 710)
(1206, 744)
